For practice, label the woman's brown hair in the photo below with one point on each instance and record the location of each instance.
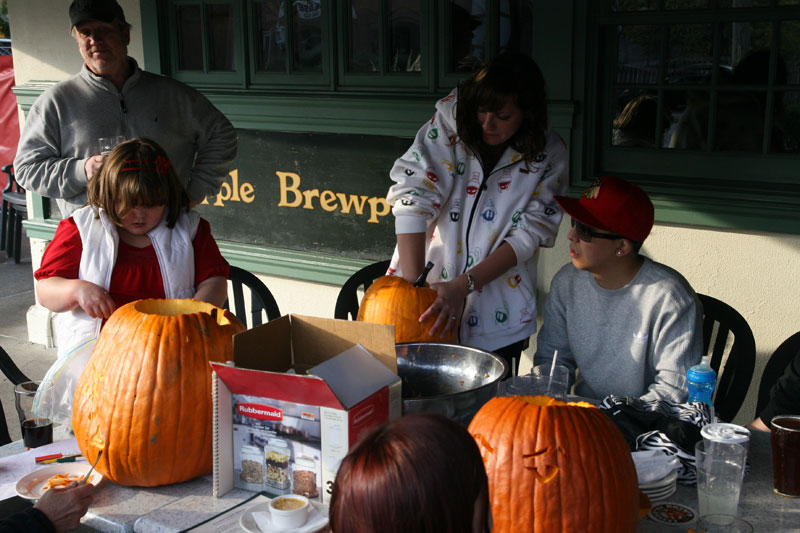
(137, 173)
(422, 473)
(508, 76)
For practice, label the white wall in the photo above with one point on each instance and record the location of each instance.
(754, 272)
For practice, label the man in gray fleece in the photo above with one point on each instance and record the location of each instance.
(58, 151)
(629, 325)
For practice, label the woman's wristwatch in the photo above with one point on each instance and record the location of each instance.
(470, 283)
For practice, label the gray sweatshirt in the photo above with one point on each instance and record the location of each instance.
(63, 125)
(638, 340)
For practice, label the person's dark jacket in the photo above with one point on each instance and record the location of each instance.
(784, 397)
(30, 520)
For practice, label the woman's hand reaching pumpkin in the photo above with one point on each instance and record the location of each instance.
(448, 306)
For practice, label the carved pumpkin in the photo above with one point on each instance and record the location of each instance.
(393, 300)
(555, 466)
(144, 397)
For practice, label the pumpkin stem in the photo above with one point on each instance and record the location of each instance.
(421, 279)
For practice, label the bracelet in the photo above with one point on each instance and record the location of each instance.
(470, 283)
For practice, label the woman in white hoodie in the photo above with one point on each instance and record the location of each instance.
(474, 195)
(135, 239)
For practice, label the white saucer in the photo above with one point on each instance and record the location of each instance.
(248, 523)
(660, 495)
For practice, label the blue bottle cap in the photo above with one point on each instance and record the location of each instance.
(702, 373)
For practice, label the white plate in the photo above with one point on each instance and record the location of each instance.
(248, 523)
(665, 481)
(31, 486)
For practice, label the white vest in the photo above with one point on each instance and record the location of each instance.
(100, 242)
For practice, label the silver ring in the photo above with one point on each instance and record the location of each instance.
(454, 317)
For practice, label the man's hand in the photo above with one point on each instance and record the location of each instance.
(94, 299)
(93, 165)
(65, 507)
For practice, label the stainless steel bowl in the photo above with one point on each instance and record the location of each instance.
(447, 378)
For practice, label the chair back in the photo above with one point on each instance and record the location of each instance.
(347, 302)
(10, 369)
(720, 322)
(776, 365)
(5, 438)
(260, 298)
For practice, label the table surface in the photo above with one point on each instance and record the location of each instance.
(176, 507)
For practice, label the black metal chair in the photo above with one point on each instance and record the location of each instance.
(260, 298)
(720, 321)
(14, 211)
(347, 302)
(776, 365)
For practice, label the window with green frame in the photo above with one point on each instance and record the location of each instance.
(339, 45)
(699, 100)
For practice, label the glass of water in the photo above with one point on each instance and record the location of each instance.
(720, 470)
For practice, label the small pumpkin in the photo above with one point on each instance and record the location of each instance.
(555, 466)
(144, 397)
(393, 300)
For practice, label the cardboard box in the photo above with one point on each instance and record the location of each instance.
(301, 392)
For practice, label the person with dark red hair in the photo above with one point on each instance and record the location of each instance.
(630, 325)
(421, 473)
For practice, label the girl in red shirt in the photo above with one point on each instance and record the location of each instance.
(132, 227)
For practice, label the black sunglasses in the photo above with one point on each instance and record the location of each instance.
(586, 233)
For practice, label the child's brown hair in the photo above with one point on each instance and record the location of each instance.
(137, 173)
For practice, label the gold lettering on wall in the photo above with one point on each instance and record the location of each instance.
(233, 192)
(292, 196)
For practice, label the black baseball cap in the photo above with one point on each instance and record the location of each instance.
(102, 10)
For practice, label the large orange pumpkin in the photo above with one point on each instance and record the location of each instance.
(555, 466)
(144, 398)
(393, 300)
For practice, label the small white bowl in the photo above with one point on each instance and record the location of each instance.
(289, 518)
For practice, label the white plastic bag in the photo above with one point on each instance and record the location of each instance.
(64, 375)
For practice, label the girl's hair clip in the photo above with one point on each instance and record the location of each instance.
(160, 165)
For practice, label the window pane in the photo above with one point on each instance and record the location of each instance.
(307, 18)
(687, 4)
(690, 130)
(633, 5)
(638, 52)
(516, 26)
(740, 121)
(743, 39)
(689, 54)
(636, 122)
(190, 38)
(467, 20)
(270, 36)
(364, 36)
(222, 55)
(404, 36)
(790, 51)
(786, 133)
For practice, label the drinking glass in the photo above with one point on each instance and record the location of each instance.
(785, 440)
(106, 144)
(34, 401)
(557, 382)
(720, 470)
(722, 523)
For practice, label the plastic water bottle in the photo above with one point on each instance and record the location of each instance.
(701, 380)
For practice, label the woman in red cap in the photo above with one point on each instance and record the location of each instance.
(631, 325)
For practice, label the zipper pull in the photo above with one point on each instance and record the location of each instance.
(122, 104)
